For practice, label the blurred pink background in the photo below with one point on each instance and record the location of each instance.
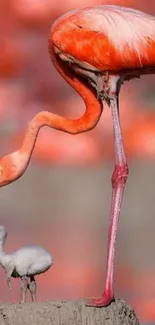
(62, 202)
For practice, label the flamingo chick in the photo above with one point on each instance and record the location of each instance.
(26, 262)
(95, 50)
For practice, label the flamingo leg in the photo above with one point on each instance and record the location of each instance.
(119, 178)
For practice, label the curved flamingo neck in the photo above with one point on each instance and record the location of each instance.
(93, 106)
(87, 122)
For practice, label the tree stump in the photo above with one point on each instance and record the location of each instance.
(67, 313)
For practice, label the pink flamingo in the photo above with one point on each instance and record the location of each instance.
(95, 50)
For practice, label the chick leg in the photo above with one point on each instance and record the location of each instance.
(32, 288)
(8, 272)
(23, 289)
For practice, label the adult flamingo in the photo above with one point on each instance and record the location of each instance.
(95, 50)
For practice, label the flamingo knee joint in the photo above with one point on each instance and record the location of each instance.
(120, 175)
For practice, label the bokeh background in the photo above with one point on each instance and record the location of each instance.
(62, 201)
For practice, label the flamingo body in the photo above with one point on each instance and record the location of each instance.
(106, 38)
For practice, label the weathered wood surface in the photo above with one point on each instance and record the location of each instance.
(66, 313)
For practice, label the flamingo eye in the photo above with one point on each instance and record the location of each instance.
(1, 170)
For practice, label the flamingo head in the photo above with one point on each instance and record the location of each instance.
(11, 168)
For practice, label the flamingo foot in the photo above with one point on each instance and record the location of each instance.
(102, 301)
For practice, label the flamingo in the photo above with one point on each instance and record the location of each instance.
(95, 50)
(26, 262)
